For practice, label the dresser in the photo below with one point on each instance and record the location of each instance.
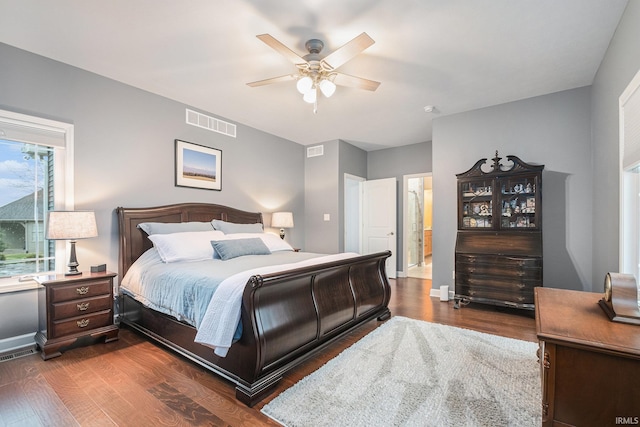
(74, 307)
(590, 365)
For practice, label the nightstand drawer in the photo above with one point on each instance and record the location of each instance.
(81, 323)
(85, 289)
(80, 307)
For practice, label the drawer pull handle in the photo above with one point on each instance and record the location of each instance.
(83, 323)
(82, 290)
(83, 306)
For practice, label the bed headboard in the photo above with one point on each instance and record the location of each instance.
(134, 242)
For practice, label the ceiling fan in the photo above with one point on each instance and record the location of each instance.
(317, 73)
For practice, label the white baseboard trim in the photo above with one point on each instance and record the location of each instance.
(8, 345)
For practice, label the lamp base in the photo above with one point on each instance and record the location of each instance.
(282, 233)
(73, 262)
(73, 273)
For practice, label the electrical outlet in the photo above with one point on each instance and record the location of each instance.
(327, 217)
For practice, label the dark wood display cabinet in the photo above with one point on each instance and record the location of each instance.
(498, 257)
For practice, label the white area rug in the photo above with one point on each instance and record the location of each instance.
(415, 373)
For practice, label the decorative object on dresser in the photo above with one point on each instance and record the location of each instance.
(71, 225)
(590, 366)
(498, 258)
(621, 300)
(282, 220)
(73, 307)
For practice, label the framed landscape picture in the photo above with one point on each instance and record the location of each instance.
(198, 166)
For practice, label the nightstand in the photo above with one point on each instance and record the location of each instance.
(73, 307)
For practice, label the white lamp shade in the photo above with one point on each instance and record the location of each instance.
(282, 220)
(327, 88)
(304, 84)
(71, 225)
(310, 96)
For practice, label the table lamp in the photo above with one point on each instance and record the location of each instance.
(71, 225)
(282, 220)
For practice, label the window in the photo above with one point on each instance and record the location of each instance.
(630, 179)
(35, 178)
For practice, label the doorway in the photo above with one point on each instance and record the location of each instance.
(418, 208)
(370, 217)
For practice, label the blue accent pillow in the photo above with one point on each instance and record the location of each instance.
(232, 228)
(228, 249)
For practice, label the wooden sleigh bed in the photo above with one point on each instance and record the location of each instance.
(286, 317)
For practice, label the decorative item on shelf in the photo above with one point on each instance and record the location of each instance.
(71, 225)
(620, 300)
(282, 220)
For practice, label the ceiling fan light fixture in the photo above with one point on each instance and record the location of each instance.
(304, 84)
(327, 87)
(311, 96)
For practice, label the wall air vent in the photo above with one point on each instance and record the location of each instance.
(210, 123)
(315, 151)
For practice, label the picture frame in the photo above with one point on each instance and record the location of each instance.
(197, 166)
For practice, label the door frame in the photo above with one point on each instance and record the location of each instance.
(349, 205)
(405, 220)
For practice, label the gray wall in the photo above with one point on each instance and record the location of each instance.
(352, 160)
(321, 180)
(619, 66)
(553, 130)
(395, 163)
(124, 155)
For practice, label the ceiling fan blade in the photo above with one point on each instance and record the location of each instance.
(282, 49)
(357, 82)
(348, 51)
(286, 78)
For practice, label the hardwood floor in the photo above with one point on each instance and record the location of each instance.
(132, 382)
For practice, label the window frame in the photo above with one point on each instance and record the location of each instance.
(63, 183)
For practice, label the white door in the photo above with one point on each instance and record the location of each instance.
(379, 219)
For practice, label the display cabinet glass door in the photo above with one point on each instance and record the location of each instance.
(519, 199)
(476, 204)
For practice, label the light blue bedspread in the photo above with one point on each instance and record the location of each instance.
(184, 289)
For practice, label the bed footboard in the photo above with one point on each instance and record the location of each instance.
(289, 316)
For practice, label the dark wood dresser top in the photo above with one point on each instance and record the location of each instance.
(574, 318)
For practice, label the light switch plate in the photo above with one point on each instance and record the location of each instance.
(327, 217)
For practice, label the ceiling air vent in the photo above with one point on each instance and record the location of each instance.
(315, 151)
(210, 123)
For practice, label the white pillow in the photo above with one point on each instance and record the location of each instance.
(187, 246)
(273, 242)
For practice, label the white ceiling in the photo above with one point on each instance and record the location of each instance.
(458, 55)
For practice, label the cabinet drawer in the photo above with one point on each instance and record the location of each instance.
(80, 307)
(497, 294)
(81, 324)
(500, 260)
(495, 270)
(522, 284)
(80, 290)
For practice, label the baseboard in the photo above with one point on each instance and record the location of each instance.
(14, 347)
